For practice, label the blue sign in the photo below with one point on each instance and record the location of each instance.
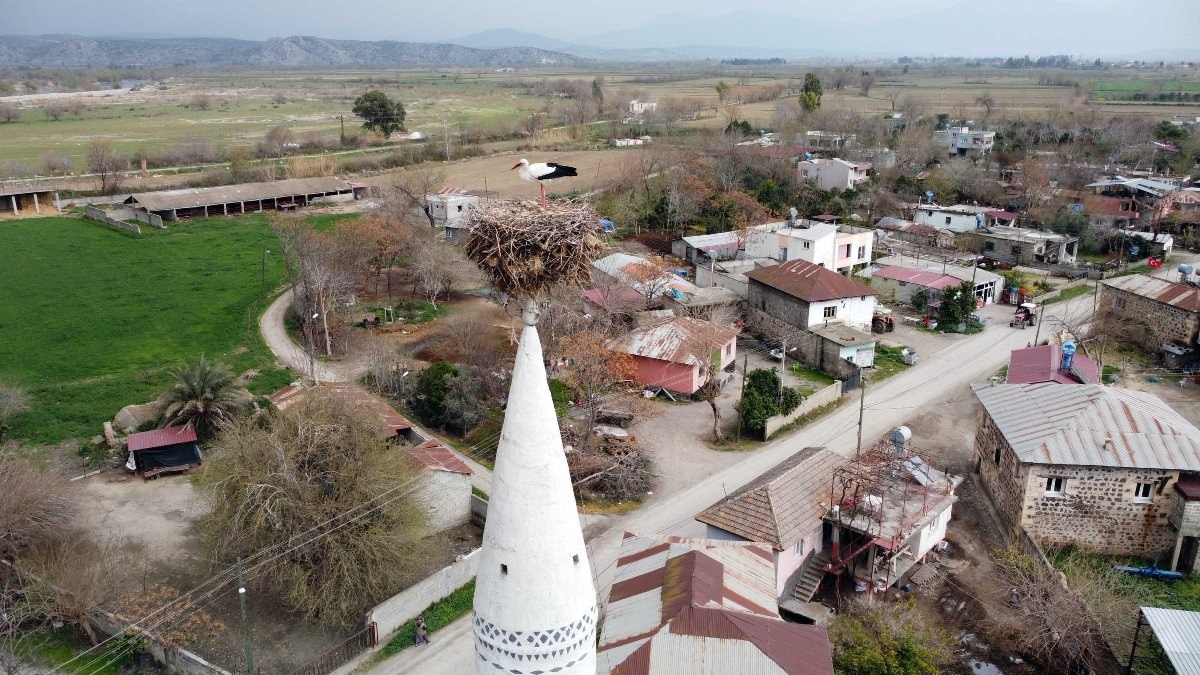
(1077, 208)
(1133, 250)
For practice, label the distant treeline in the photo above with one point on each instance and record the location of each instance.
(753, 62)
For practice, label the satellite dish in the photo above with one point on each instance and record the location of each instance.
(1077, 208)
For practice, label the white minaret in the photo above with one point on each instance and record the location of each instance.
(535, 602)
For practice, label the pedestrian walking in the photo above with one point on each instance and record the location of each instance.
(422, 632)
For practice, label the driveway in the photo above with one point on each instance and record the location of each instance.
(274, 333)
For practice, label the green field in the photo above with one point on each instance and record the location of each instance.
(93, 319)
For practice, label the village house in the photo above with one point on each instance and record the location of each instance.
(825, 140)
(800, 294)
(1156, 244)
(1168, 310)
(651, 280)
(449, 208)
(916, 233)
(681, 606)
(1019, 245)
(637, 107)
(832, 174)
(679, 354)
(444, 491)
(987, 285)
(1105, 214)
(965, 141)
(898, 284)
(163, 450)
(1109, 470)
(783, 509)
(835, 247)
(957, 218)
(731, 274)
(1049, 363)
(1151, 199)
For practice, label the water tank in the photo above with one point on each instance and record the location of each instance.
(1068, 354)
(900, 437)
(1185, 272)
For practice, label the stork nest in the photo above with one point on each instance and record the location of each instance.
(524, 249)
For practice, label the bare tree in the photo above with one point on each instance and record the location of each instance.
(9, 112)
(988, 102)
(432, 270)
(413, 187)
(54, 163)
(468, 338)
(107, 164)
(54, 110)
(865, 82)
(279, 98)
(277, 140)
(595, 369)
(320, 282)
(200, 102)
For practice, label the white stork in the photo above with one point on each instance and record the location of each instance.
(543, 172)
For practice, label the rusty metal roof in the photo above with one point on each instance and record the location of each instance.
(161, 438)
(677, 340)
(924, 278)
(1048, 423)
(809, 282)
(434, 455)
(1041, 364)
(1183, 296)
(782, 505)
(192, 198)
(707, 607)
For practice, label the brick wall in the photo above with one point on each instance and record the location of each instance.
(1164, 321)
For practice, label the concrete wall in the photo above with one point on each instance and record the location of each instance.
(409, 603)
(148, 218)
(959, 222)
(823, 397)
(93, 213)
(856, 312)
(901, 291)
(1166, 322)
(175, 660)
(446, 498)
(1186, 516)
(933, 532)
(706, 277)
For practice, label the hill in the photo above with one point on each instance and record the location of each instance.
(72, 51)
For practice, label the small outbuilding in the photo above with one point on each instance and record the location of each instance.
(26, 199)
(162, 450)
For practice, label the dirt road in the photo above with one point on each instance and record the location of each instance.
(289, 353)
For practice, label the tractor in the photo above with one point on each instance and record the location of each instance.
(882, 321)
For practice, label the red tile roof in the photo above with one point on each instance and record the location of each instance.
(161, 438)
(809, 282)
(432, 454)
(919, 277)
(1040, 364)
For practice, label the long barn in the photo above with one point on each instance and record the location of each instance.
(25, 199)
(237, 199)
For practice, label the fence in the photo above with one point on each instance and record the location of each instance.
(341, 653)
(93, 213)
(824, 397)
(409, 603)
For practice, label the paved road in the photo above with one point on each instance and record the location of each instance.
(940, 378)
(289, 353)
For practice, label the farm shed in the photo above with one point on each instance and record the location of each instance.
(238, 199)
(159, 450)
(26, 199)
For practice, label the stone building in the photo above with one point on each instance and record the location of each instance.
(805, 295)
(1107, 470)
(1169, 310)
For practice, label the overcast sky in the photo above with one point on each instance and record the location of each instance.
(1094, 26)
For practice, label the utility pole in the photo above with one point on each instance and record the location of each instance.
(742, 401)
(782, 365)
(342, 138)
(862, 404)
(446, 134)
(245, 618)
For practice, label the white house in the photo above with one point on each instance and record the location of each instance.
(966, 141)
(642, 107)
(804, 295)
(832, 174)
(957, 218)
(834, 247)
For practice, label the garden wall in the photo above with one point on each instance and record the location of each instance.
(824, 397)
(93, 213)
(149, 219)
(406, 605)
(175, 660)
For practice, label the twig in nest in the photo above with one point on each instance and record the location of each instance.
(523, 249)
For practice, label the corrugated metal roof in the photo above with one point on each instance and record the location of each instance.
(1178, 632)
(1051, 424)
(696, 606)
(1183, 296)
(782, 505)
(434, 455)
(161, 438)
(678, 340)
(809, 282)
(919, 277)
(191, 198)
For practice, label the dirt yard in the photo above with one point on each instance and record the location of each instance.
(156, 523)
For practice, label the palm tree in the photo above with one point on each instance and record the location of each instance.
(205, 396)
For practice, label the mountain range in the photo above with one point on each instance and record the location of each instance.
(72, 51)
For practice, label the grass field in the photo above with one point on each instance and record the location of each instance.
(93, 319)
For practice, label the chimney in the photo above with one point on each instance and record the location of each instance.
(1109, 446)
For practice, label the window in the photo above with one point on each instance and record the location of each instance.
(728, 349)
(862, 252)
(947, 220)
(830, 312)
(1056, 486)
(1142, 492)
(503, 568)
(1119, 303)
(846, 253)
(1016, 250)
(799, 548)
(808, 244)
(997, 455)
(989, 246)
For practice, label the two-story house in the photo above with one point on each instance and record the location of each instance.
(800, 294)
(1108, 470)
(835, 247)
(832, 174)
(966, 141)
